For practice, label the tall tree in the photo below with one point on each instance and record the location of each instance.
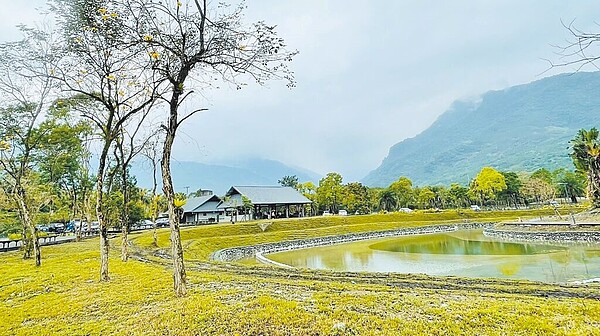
(191, 44)
(585, 152)
(330, 191)
(543, 174)
(25, 93)
(130, 142)
(425, 197)
(110, 74)
(487, 184)
(459, 195)
(441, 198)
(357, 198)
(309, 190)
(63, 160)
(513, 188)
(289, 181)
(403, 189)
(570, 184)
(537, 189)
(152, 152)
(388, 201)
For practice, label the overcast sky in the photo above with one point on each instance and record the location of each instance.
(369, 73)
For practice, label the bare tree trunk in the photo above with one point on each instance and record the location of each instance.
(104, 244)
(34, 240)
(27, 223)
(154, 205)
(179, 276)
(76, 212)
(124, 217)
(25, 241)
(78, 230)
(594, 187)
(124, 241)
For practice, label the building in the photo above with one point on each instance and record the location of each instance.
(201, 210)
(257, 202)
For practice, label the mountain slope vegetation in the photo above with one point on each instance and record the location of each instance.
(522, 128)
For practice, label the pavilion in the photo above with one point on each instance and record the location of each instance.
(265, 201)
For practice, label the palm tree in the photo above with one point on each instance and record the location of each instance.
(388, 201)
(586, 158)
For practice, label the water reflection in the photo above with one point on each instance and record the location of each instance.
(449, 244)
(467, 253)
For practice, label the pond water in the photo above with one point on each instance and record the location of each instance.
(461, 253)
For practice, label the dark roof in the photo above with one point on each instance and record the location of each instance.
(270, 194)
(194, 202)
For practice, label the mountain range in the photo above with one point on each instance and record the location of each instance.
(521, 128)
(190, 176)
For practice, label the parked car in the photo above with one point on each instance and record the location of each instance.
(326, 213)
(475, 207)
(162, 222)
(343, 213)
(406, 210)
(56, 228)
(42, 228)
(84, 226)
(143, 224)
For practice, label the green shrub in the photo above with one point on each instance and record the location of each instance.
(14, 236)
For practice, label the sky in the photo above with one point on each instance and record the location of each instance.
(369, 74)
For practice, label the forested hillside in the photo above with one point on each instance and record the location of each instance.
(521, 128)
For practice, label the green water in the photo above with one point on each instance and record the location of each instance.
(464, 253)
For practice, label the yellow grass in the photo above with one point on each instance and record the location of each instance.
(64, 296)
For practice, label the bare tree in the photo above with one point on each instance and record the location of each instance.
(109, 74)
(129, 144)
(25, 99)
(152, 153)
(192, 44)
(581, 49)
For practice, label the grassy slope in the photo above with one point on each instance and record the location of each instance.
(199, 243)
(64, 296)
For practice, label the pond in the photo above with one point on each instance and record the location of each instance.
(461, 253)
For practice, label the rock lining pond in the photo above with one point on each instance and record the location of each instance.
(468, 250)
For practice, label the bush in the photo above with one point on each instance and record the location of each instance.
(14, 236)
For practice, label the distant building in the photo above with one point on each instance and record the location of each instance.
(265, 202)
(203, 192)
(200, 210)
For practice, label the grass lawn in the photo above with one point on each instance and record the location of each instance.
(64, 295)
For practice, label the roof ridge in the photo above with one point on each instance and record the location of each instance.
(261, 186)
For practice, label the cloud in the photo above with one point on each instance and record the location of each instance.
(370, 74)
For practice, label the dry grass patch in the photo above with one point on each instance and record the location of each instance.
(64, 297)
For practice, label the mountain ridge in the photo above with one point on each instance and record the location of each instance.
(191, 175)
(520, 128)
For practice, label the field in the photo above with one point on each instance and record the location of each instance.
(64, 296)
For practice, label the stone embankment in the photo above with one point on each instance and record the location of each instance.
(237, 253)
(536, 236)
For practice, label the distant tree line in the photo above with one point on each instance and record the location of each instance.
(489, 188)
